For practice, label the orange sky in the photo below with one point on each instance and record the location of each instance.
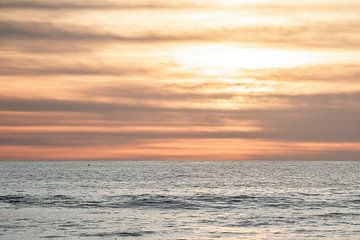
(201, 79)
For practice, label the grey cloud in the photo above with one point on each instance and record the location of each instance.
(56, 5)
(170, 93)
(128, 114)
(53, 105)
(338, 99)
(34, 67)
(313, 124)
(310, 123)
(323, 73)
(115, 112)
(16, 30)
(66, 139)
(13, 119)
(277, 7)
(36, 30)
(158, 93)
(43, 46)
(326, 35)
(91, 138)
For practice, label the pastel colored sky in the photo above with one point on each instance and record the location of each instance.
(160, 79)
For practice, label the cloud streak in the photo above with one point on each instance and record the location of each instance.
(275, 6)
(338, 34)
(57, 5)
(310, 123)
(54, 5)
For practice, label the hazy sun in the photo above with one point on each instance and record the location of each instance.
(228, 59)
(235, 2)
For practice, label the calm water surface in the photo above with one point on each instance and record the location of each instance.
(180, 200)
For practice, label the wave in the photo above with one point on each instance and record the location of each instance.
(337, 215)
(158, 201)
(117, 234)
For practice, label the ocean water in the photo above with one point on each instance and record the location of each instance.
(180, 200)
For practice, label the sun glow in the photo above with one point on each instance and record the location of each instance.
(237, 2)
(229, 59)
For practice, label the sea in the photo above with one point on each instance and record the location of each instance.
(199, 200)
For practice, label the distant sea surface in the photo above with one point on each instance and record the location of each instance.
(180, 200)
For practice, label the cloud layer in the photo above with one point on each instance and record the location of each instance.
(186, 80)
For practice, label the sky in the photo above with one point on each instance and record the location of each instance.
(179, 80)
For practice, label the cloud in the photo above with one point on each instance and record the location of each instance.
(317, 35)
(92, 66)
(39, 31)
(56, 5)
(276, 6)
(340, 72)
(308, 123)
(27, 66)
(176, 93)
(298, 7)
(53, 105)
(337, 99)
(144, 100)
(160, 93)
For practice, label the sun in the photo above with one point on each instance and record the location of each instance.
(230, 59)
(237, 2)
